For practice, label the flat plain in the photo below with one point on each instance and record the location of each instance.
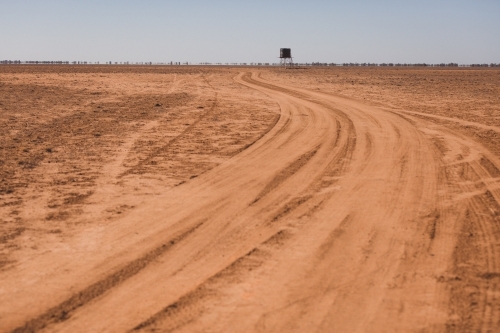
(249, 199)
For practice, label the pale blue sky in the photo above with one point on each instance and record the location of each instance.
(462, 31)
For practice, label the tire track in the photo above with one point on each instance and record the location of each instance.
(339, 156)
(474, 293)
(234, 228)
(251, 260)
(340, 149)
(64, 310)
(172, 141)
(343, 217)
(407, 242)
(286, 173)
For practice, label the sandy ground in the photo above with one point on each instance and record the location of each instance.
(197, 199)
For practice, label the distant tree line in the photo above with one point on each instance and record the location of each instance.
(171, 63)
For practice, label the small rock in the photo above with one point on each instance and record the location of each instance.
(158, 105)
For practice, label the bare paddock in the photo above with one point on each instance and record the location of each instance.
(219, 199)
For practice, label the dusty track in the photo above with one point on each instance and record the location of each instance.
(343, 217)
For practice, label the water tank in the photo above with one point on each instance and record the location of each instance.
(285, 53)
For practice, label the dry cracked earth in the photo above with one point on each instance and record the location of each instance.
(226, 199)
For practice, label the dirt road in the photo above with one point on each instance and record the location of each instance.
(342, 217)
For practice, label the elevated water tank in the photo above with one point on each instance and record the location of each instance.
(285, 53)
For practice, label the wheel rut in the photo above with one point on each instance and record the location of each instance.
(296, 146)
(341, 217)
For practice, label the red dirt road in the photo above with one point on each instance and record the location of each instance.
(340, 215)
